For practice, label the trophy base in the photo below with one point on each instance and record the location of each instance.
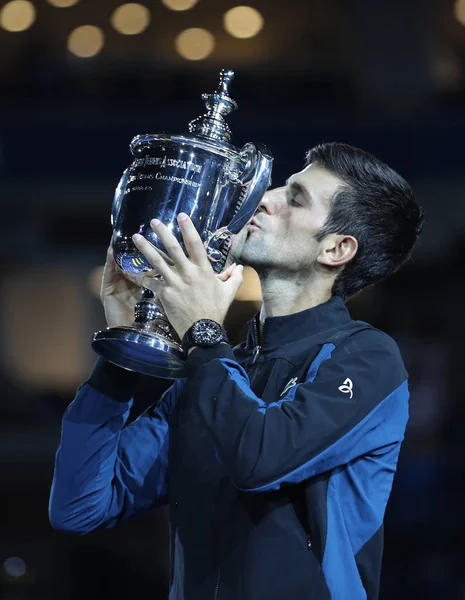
(140, 351)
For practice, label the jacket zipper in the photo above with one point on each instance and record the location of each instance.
(257, 347)
(256, 352)
(217, 587)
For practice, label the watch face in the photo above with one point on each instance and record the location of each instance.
(206, 332)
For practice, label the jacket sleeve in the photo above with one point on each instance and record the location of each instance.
(353, 402)
(105, 473)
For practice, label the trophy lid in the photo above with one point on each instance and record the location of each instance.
(212, 125)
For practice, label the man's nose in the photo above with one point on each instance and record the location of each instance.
(268, 202)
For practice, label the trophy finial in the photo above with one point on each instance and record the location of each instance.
(219, 104)
(226, 76)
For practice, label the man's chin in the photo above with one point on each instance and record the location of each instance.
(249, 259)
(237, 243)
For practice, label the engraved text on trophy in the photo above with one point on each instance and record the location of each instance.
(162, 162)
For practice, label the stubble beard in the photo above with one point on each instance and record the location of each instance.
(253, 253)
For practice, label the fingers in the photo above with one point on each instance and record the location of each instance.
(110, 267)
(173, 247)
(176, 256)
(224, 275)
(110, 259)
(193, 242)
(162, 254)
(158, 263)
(236, 279)
(169, 241)
(135, 278)
(165, 256)
(155, 285)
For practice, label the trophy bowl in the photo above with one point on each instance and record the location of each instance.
(201, 174)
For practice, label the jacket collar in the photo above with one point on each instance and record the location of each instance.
(290, 328)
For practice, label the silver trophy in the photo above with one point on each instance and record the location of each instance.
(201, 174)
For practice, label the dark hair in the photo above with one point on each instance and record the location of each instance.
(376, 206)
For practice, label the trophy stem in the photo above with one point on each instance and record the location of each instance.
(149, 346)
(150, 317)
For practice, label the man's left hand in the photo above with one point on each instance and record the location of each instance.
(190, 289)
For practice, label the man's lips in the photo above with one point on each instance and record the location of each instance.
(254, 223)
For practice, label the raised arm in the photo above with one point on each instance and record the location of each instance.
(105, 472)
(353, 402)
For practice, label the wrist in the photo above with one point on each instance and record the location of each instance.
(181, 331)
(113, 381)
(192, 348)
(204, 333)
(199, 357)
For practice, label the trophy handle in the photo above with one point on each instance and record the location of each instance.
(214, 247)
(256, 177)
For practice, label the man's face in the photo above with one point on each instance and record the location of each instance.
(281, 235)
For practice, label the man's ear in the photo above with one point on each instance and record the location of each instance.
(337, 250)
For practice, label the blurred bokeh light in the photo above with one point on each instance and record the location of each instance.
(62, 3)
(15, 566)
(179, 5)
(17, 15)
(131, 18)
(459, 10)
(195, 43)
(94, 280)
(243, 21)
(86, 41)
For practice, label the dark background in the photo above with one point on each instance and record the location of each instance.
(386, 75)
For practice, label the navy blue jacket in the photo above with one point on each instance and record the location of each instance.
(277, 459)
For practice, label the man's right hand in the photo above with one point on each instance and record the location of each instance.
(119, 293)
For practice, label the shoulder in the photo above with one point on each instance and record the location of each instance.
(363, 339)
(367, 362)
(363, 336)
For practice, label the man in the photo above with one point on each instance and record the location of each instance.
(277, 457)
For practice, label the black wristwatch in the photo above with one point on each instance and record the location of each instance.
(204, 333)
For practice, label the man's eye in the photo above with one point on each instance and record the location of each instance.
(294, 201)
